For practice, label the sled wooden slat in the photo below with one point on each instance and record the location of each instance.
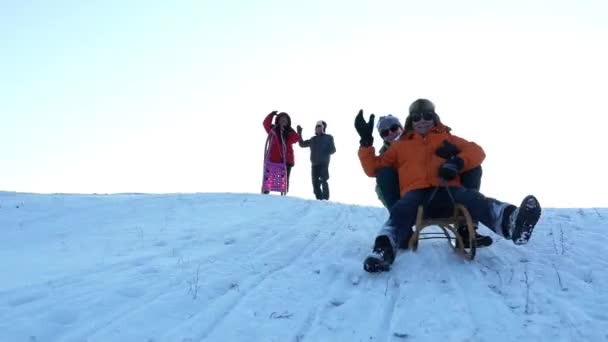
(449, 226)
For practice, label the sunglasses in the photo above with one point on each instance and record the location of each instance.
(385, 132)
(428, 116)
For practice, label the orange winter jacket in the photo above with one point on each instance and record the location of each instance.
(413, 156)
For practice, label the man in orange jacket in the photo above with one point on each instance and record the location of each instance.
(387, 178)
(422, 169)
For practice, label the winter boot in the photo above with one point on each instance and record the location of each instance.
(518, 223)
(382, 255)
(325, 191)
(480, 240)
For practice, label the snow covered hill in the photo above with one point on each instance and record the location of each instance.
(245, 267)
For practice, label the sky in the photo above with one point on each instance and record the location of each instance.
(183, 267)
(159, 97)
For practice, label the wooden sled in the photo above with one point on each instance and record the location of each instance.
(449, 226)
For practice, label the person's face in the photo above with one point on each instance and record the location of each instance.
(422, 122)
(283, 121)
(318, 129)
(391, 133)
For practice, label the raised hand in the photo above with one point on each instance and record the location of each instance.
(365, 129)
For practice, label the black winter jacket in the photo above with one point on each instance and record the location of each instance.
(321, 148)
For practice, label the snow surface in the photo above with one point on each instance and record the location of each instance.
(246, 267)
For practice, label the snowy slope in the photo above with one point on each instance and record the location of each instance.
(244, 267)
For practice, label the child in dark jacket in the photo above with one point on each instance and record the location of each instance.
(321, 148)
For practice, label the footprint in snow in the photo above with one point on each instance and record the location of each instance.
(149, 270)
(32, 297)
(63, 317)
(131, 292)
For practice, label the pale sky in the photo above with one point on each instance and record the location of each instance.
(159, 96)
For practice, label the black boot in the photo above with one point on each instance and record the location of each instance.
(326, 192)
(518, 223)
(382, 255)
(480, 240)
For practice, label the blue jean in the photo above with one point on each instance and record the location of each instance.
(472, 178)
(387, 180)
(403, 214)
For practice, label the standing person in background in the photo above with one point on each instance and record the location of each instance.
(283, 137)
(321, 148)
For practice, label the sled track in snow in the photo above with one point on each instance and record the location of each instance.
(285, 269)
(264, 252)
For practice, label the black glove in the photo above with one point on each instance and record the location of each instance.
(365, 129)
(299, 128)
(447, 150)
(273, 113)
(451, 168)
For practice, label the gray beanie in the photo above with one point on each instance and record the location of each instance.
(385, 122)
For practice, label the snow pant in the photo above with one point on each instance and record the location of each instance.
(320, 175)
(387, 179)
(403, 214)
(472, 178)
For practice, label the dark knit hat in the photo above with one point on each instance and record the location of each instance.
(422, 106)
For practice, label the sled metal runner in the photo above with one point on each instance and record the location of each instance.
(449, 226)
